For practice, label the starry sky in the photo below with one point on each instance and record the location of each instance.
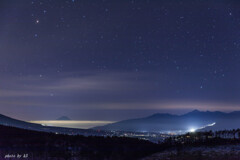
(118, 59)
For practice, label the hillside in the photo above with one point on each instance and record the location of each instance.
(42, 145)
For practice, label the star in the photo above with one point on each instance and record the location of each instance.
(37, 21)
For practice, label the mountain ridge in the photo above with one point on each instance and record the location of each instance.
(65, 118)
(8, 121)
(171, 122)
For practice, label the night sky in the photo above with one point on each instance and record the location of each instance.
(118, 59)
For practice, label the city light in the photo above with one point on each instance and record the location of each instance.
(192, 130)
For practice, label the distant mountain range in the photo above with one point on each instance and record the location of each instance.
(7, 121)
(64, 118)
(195, 120)
(188, 122)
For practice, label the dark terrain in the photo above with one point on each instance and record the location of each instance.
(43, 145)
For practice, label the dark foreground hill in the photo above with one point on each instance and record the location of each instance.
(168, 122)
(27, 144)
(42, 145)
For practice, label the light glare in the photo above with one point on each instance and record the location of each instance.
(192, 130)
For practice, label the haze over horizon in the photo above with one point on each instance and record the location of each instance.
(115, 60)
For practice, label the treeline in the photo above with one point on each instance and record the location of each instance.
(207, 138)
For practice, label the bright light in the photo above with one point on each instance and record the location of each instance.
(192, 130)
(212, 124)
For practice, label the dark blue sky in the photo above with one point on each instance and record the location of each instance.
(118, 59)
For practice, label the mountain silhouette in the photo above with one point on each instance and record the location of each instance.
(65, 118)
(7, 121)
(195, 119)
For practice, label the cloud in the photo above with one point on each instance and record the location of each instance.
(69, 88)
(92, 91)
